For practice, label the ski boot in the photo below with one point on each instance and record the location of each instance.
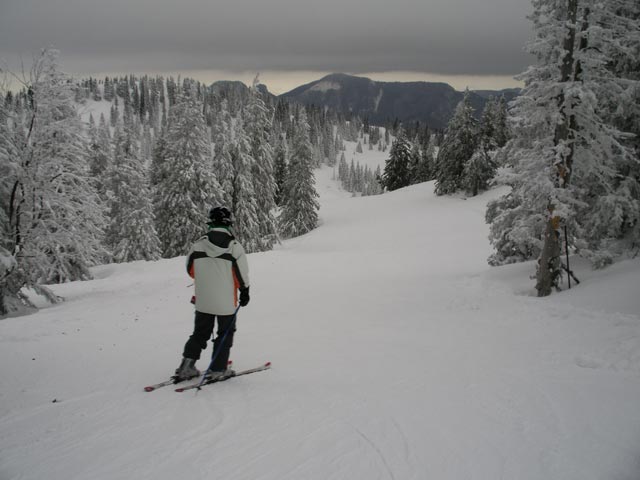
(187, 370)
(218, 374)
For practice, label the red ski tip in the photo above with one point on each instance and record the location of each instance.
(179, 389)
(268, 364)
(149, 389)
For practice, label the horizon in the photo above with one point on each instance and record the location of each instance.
(281, 82)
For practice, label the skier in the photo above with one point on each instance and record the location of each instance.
(218, 264)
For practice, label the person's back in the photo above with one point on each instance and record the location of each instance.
(218, 264)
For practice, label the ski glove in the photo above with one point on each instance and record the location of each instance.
(244, 296)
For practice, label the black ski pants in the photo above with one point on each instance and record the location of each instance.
(202, 331)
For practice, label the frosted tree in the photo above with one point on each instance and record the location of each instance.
(281, 169)
(500, 126)
(493, 129)
(131, 234)
(244, 204)
(397, 168)
(481, 167)
(300, 210)
(478, 171)
(416, 160)
(113, 113)
(185, 185)
(425, 170)
(257, 125)
(567, 157)
(54, 221)
(458, 147)
(100, 153)
(222, 129)
(109, 92)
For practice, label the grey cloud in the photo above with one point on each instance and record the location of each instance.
(439, 36)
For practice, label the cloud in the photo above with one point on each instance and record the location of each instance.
(440, 36)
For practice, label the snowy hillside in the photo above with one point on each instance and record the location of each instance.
(397, 354)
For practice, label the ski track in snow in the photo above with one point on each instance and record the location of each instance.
(397, 354)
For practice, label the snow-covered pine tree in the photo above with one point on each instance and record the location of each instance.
(114, 113)
(222, 129)
(566, 155)
(623, 111)
(281, 168)
(396, 171)
(459, 144)
(185, 185)
(481, 167)
(100, 154)
(53, 216)
(501, 128)
(478, 171)
(300, 210)
(131, 234)
(108, 92)
(244, 204)
(414, 165)
(257, 125)
(425, 170)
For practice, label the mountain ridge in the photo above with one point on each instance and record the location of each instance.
(432, 103)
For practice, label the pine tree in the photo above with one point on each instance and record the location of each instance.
(100, 154)
(186, 188)
(222, 130)
(113, 115)
(131, 234)
(501, 128)
(243, 198)
(458, 147)
(567, 157)
(396, 171)
(257, 124)
(478, 171)
(481, 167)
(425, 168)
(300, 211)
(281, 169)
(108, 92)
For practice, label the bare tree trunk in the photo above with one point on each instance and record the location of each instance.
(549, 263)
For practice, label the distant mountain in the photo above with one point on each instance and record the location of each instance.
(430, 103)
(236, 88)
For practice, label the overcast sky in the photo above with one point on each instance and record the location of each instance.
(286, 40)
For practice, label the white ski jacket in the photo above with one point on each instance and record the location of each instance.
(219, 267)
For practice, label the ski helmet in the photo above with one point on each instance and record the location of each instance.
(220, 216)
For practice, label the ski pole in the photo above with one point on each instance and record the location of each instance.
(216, 352)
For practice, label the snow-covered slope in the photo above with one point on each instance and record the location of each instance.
(397, 354)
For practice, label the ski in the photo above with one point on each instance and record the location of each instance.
(172, 381)
(266, 366)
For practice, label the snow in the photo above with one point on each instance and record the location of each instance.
(377, 100)
(325, 86)
(397, 354)
(95, 108)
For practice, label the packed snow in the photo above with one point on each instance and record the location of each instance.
(397, 352)
(325, 86)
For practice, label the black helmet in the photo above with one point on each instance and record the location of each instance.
(220, 216)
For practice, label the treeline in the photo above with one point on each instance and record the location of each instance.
(462, 158)
(137, 182)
